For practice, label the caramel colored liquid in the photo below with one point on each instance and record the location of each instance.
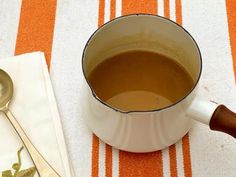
(140, 81)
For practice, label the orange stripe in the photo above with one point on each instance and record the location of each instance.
(101, 12)
(167, 8)
(112, 9)
(95, 156)
(173, 161)
(148, 164)
(178, 8)
(231, 13)
(36, 27)
(95, 141)
(185, 140)
(108, 161)
(139, 6)
(186, 156)
(145, 164)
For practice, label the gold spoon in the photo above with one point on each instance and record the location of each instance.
(6, 93)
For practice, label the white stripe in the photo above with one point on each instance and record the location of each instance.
(118, 7)
(101, 161)
(160, 7)
(115, 152)
(172, 10)
(9, 19)
(101, 164)
(115, 162)
(179, 158)
(207, 22)
(107, 11)
(166, 162)
(75, 22)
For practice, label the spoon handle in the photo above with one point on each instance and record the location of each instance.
(43, 168)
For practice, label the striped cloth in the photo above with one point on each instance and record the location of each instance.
(61, 29)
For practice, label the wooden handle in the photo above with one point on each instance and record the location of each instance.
(224, 120)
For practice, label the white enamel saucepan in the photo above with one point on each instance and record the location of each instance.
(145, 131)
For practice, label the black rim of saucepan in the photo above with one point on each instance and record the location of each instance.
(137, 111)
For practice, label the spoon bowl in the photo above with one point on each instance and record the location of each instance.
(6, 89)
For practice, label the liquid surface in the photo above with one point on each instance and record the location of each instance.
(140, 81)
